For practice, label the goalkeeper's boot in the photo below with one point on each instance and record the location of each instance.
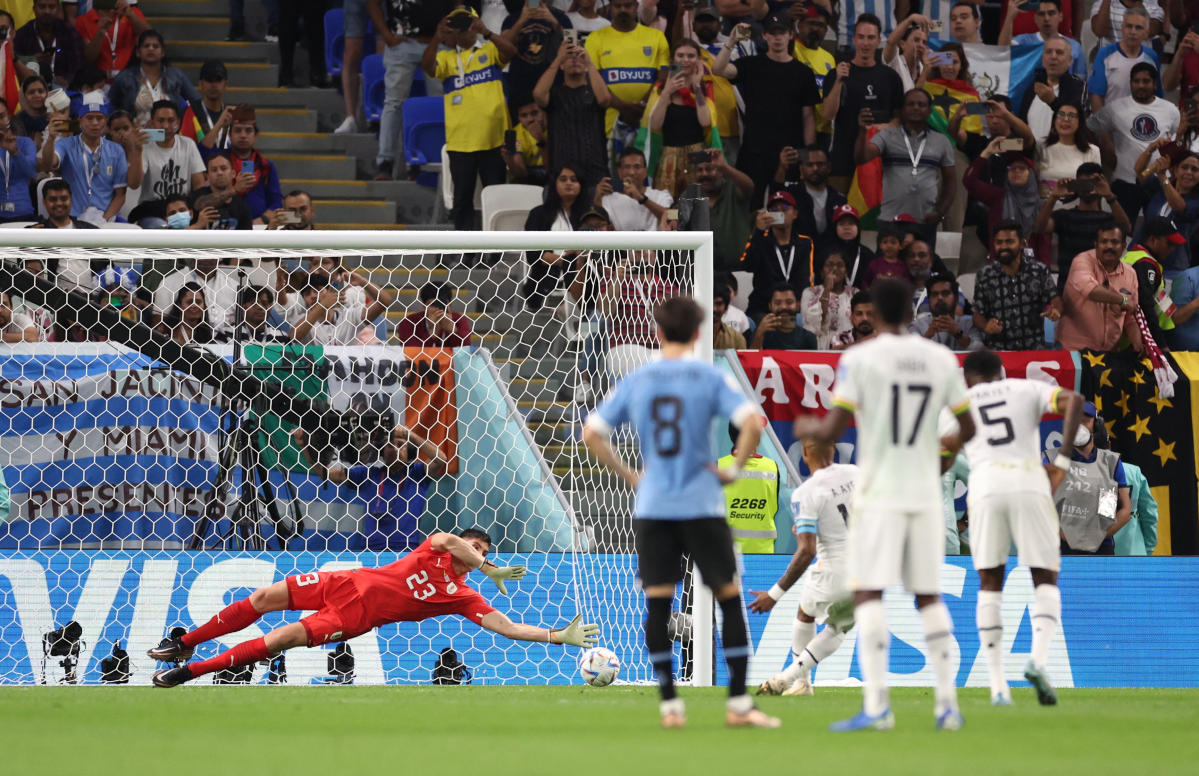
(801, 686)
(884, 720)
(755, 718)
(171, 650)
(950, 719)
(1046, 696)
(673, 713)
(172, 677)
(775, 685)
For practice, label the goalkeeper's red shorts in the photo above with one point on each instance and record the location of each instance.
(340, 613)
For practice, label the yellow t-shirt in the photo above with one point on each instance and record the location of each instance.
(476, 116)
(821, 63)
(529, 148)
(628, 62)
(724, 98)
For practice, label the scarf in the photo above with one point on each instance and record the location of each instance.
(1163, 373)
(259, 166)
(1022, 204)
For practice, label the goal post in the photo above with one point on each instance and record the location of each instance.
(143, 498)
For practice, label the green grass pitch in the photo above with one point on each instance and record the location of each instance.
(571, 731)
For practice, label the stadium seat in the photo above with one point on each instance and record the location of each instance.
(949, 247)
(966, 284)
(372, 86)
(335, 40)
(506, 206)
(424, 129)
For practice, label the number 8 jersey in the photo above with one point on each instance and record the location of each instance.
(896, 385)
(671, 405)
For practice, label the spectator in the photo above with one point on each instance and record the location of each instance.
(1013, 296)
(219, 284)
(257, 179)
(1183, 72)
(887, 263)
(1049, 20)
(727, 191)
(634, 206)
(354, 25)
(1184, 292)
(905, 50)
(1053, 85)
(724, 337)
(846, 239)
(825, 308)
(861, 316)
(779, 330)
(1171, 187)
(434, 326)
(1074, 227)
(1115, 63)
(53, 43)
(733, 316)
(628, 56)
(527, 164)
(562, 205)
(816, 200)
(33, 116)
(116, 287)
(405, 27)
(109, 35)
(584, 18)
(335, 317)
(952, 84)
(186, 321)
(705, 28)
(297, 213)
(965, 22)
(1068, 145)
(575, 104)
(777, 253)
(1018, 199)
(627, 296)
(779, 93)
(41, 317)
(312, 13)
(1159, 238)
(1100, 296)
(207, 120)
(476, 116)
(149, 78)
(232, 212)
(535, 34)
(1138, 537)
(1092, 501)
(813, 24)
(911, 187)
(254, 304)
(56, 199)
(94, 167)
(940, 324)
(1107, 17)
(681, 115)
(179, 214)
(14, 326)
(999, 122)
(20, 166)
(918, 257)
(169, 166)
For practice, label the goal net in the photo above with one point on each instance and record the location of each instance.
(187, 416)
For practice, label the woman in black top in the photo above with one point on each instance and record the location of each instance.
(562, 209)
(187, 320)
(683, 116)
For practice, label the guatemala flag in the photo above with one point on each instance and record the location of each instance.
(1001, 69)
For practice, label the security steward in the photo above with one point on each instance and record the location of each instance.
(752, 501)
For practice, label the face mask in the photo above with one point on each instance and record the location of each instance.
(1082, 437)
(180, 220)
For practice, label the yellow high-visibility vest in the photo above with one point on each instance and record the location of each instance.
(752, 502)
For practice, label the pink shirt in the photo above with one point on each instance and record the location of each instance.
(1087, 324)
(413, 332)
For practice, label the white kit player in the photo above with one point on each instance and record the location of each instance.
(893, 388)
(821, 508)
(1010, 498)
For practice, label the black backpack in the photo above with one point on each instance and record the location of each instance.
(450, 669)
(115, 668)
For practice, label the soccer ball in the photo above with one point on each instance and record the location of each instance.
(599, 666)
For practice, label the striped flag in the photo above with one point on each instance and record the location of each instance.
(1004, 70)
(866, 189)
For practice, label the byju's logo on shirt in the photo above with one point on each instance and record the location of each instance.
(1144, 127)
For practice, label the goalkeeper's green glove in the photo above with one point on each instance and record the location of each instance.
(500, 574)
(577, 634)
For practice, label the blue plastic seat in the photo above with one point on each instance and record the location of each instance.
(424, 130)
(335, 40)
(372, 86)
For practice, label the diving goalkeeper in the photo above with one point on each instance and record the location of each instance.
(427, 582)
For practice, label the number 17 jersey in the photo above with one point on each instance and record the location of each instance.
(670, 405)
(896, 385)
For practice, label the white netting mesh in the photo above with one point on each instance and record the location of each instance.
(145, 496)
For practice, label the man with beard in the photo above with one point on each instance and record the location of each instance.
(1075, 226)
(1101, 296)
(817, 201)
(779, 330)
(861, 317)
(728, 192)
(956, 332)
(1013, 294)
(813, 26)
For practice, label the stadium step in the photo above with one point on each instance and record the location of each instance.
(240, 73)
(327, 102)
(365, 212)
(286, 120)
(192, 8)
(330, 189)
(225, 50)
(313, 166)
(189, 27)
(299, 142)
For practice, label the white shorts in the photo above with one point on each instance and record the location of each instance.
(1028, 518)
(820, 591)
(889, 546)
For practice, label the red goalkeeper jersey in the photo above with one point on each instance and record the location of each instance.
(420, 585)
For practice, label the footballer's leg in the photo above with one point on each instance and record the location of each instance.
(991, 517)
(231, 619)
(659, 559)
(924, 554)
(1046, 613)
(246, 653)
(803, 629)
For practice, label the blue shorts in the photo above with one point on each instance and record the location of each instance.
(356, 18)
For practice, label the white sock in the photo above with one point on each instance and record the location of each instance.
(938, 634)
(1046, 614)
(818, 648)
(874, 643)
(672, 706)
(990, 636)
(801, 634)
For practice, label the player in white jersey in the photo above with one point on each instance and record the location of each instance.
(893, 388)
(1010, 499)
(821, 509)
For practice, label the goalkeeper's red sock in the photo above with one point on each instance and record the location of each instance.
(243, 654)
(231, 619)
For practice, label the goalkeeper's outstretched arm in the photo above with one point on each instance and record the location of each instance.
(576, 633)
(464, 553)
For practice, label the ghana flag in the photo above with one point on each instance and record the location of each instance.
(1155, 433)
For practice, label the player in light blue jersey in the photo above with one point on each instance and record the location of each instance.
(680, 506)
